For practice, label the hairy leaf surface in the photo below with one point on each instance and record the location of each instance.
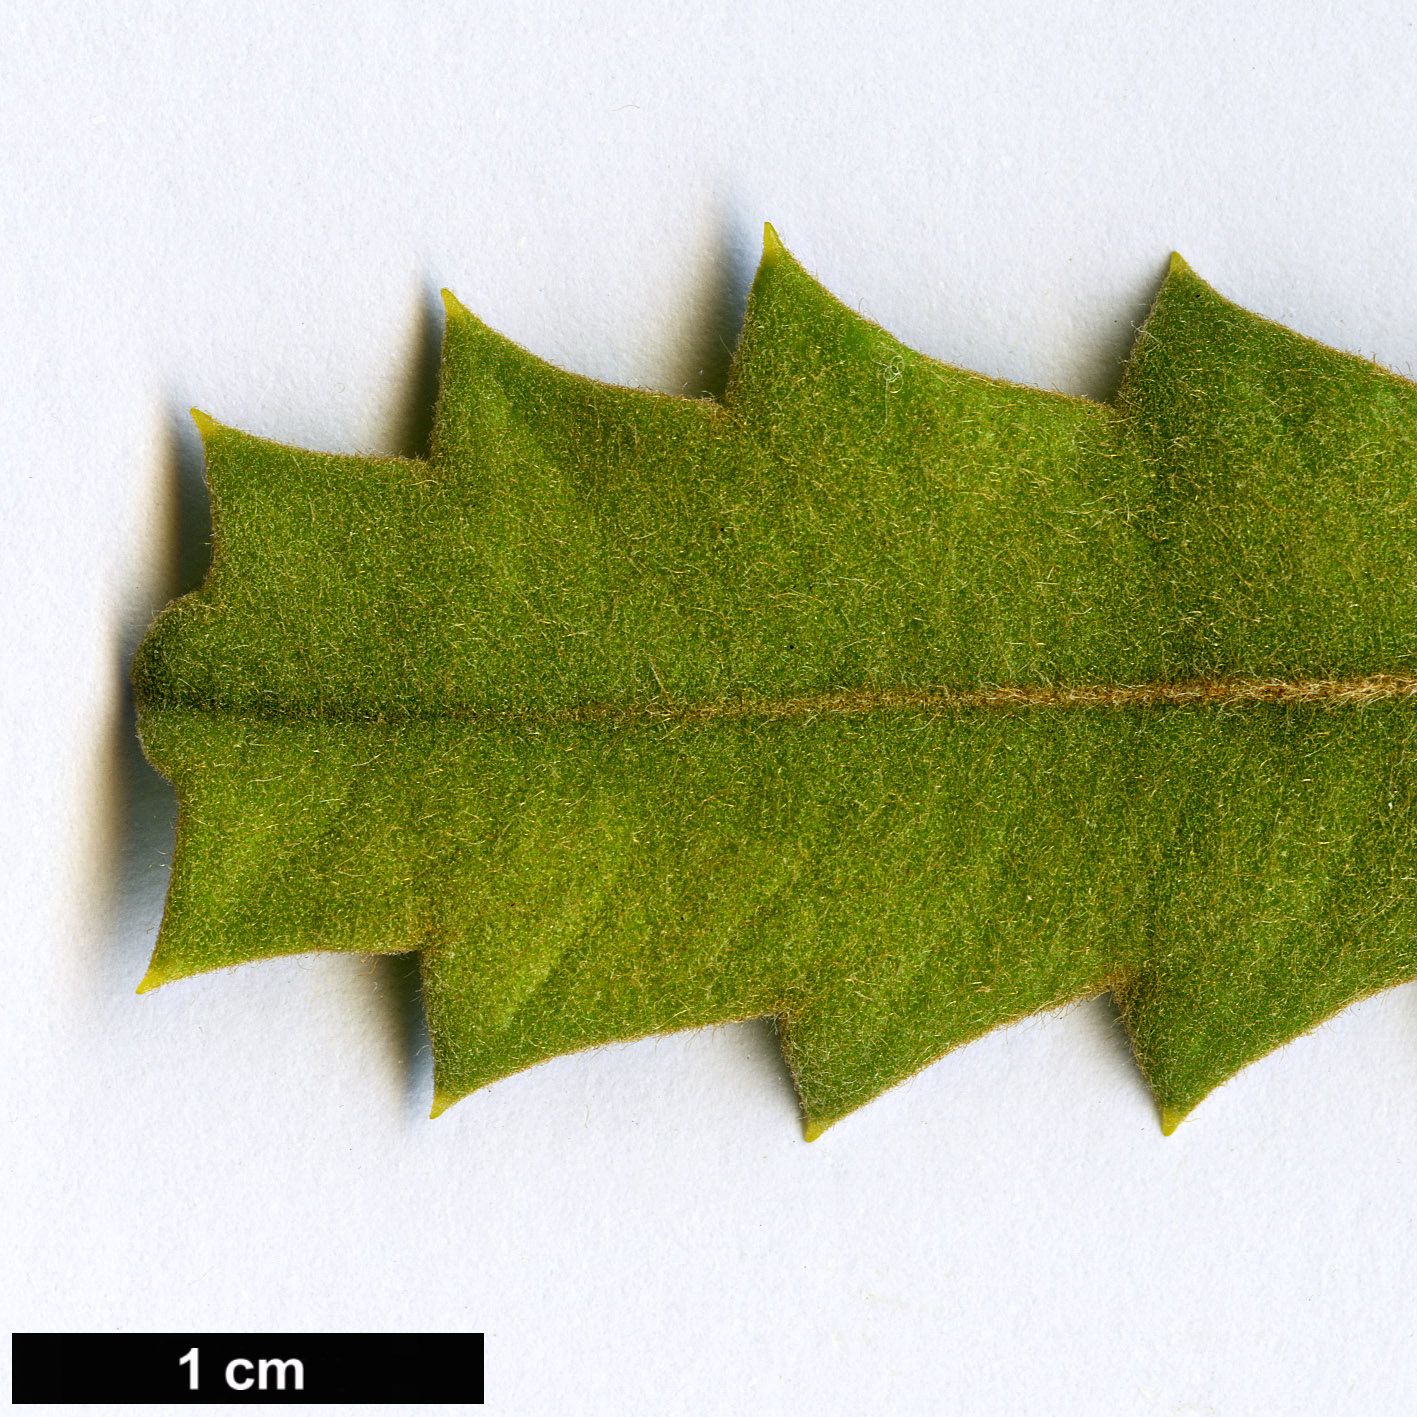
(882, 698)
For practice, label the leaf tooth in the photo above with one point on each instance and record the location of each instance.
(452, 306)
(441, 1102)
(152, 979)
(207, 426)
(1170, 1120)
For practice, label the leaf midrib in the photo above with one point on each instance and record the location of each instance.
(1352, 692)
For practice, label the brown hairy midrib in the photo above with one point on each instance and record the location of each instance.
(1200, 693)
(1369, 688)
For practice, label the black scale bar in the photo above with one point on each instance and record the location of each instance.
(351, 1368)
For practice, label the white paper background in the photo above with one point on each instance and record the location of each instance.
(252, 208)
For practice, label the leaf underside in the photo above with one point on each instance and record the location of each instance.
(882, 698)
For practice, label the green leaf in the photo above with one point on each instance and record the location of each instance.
(881, 698)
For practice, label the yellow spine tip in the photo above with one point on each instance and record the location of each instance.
(151, 980)
(772, 242)
(1179, 265)
(206, 424)
(452, 306)
(1170, 1120)
(812, 1129)
(441, 1102)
